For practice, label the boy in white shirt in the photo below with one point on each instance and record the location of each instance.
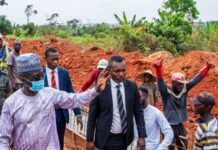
(155, 122)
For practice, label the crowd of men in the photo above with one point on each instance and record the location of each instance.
(34, 103)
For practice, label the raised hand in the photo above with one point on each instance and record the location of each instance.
(158, 63)
(101, 81)
(210, 65)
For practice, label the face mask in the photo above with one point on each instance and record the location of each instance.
(37, 85)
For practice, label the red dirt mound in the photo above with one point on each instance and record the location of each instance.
(80, 65)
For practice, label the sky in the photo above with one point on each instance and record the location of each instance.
(95, 11)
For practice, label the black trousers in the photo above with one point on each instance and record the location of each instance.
(116, 142)
(61, 126)
(180, 143)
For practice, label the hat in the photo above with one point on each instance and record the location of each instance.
(1, 36)
(178, 77)
(149, 72)
(16, 42)
(103, 63)
(204, 98)
(28, 62)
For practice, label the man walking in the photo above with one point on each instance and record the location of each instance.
(28, 115)
(58, 78)
(110, 122)
(12, 67)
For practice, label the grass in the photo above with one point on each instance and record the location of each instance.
(85, 42)
(28, 38)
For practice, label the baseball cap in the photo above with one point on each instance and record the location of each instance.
(204, 98)
(103, 63)
(178, 77)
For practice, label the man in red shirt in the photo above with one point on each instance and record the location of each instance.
(102, 64)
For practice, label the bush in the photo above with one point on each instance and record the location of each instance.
(19, 32)
(30, 29)
(62, 34)
(46, 30)
(5, 25)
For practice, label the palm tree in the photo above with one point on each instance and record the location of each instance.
(52, 18)
(29, 11)
(133, 23)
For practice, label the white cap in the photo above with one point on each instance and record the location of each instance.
(103, 63)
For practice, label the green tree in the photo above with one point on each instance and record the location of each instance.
(52, 20)
(29, 11)
(5, 25)
(74, 23)
(188, 7)
(175, 23)
(29, 29)
(2, 3)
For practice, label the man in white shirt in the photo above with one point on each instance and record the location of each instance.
(28, 115)
(155, 123)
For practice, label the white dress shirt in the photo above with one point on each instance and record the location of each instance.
(48, 73)
(155, 122)
(116, 122)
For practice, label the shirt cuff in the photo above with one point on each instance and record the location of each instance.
(94, 92)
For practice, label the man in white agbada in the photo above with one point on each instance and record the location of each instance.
(155, 123)
(28, 115)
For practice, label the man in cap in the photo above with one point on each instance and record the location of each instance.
(102, 64)
(15, 82)
(149, 83)
(4, 88)
(175, 100)
(4, 51)
(206, 136)
(28, 115)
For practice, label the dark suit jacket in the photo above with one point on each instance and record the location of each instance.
(65, 84)
(101, 114)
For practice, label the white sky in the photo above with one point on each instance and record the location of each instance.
(95, 11)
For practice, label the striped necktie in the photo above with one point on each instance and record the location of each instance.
(121, 110)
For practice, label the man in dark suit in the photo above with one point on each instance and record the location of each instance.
(110, 122)
(59, 78)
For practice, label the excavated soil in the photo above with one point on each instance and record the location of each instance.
(80, 64)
